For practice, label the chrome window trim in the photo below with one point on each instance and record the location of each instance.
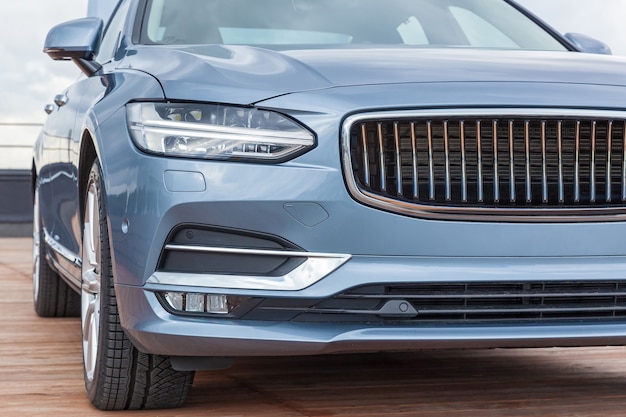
(487, 214)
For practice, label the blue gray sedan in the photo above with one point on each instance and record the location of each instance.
(236, 178)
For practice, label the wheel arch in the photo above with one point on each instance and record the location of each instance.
(33, 180)
(88, 156)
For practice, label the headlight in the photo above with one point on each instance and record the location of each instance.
(214, 131)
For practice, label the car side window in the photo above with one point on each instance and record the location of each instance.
(112, 36)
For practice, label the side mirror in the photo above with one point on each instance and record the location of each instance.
(74, 39)
(78, 40)
(586, 44)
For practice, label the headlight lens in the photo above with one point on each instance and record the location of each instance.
(214, 131)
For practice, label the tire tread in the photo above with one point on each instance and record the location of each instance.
(128, 379)
(55, 297)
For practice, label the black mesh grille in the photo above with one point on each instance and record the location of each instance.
(460, 303)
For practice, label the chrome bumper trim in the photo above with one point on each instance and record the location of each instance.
(316, 267)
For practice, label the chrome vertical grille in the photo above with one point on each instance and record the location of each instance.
(566, 165)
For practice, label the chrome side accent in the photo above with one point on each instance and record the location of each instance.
(62, 250)
(316, 267)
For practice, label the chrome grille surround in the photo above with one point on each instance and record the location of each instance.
(512, 165)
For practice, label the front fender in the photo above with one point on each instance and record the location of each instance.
(109, 94)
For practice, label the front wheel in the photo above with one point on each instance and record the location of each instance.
(117, 375)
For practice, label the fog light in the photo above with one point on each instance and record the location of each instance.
(203, 303)
(195, 303)
(217, 304)
(176, 300)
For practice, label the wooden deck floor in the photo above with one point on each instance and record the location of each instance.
(41, 375)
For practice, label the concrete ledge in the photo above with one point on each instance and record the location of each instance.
(16, 201)
(16, 230)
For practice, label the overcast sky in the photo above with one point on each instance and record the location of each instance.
(29, 79)
(601, 19)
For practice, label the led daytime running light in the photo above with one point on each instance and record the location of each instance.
(213, 131)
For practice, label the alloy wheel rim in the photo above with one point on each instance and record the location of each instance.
(91, 279)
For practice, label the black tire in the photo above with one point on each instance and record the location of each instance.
(52, 297)
(117, 375)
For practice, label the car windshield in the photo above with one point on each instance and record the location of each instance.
(427, 23)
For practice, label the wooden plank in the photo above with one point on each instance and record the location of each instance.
(41, 374)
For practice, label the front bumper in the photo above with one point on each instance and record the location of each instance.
(305, 204)
(155, 330)
(187, 337)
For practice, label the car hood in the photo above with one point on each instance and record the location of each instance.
(246, 75)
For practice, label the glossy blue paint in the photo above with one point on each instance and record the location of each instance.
(305, 201)
(184, 181)
(234, 75)
(76, 39)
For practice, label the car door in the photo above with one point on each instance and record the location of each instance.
(58, 176)
(64, 133)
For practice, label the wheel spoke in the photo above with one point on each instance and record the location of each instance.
(92, 229)
(91, 281)
(90, 333)
(36, 246)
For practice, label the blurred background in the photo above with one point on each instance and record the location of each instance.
(29, 79)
